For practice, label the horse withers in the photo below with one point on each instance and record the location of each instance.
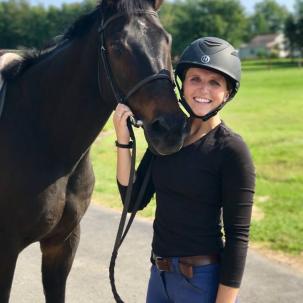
(57, 102)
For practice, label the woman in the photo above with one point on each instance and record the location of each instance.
(211, 175)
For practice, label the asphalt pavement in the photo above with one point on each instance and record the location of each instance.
(265, 281)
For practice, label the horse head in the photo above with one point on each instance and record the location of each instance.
(136, 55)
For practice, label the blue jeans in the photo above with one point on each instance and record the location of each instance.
(173, 287)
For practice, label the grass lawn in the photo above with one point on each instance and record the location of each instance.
(267, 112)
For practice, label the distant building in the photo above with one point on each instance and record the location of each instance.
(264, 46)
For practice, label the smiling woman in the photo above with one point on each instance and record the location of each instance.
(210, 176)
(219, 61)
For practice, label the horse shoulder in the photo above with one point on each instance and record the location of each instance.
(79, 191)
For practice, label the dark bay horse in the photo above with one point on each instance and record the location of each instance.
(56, 104)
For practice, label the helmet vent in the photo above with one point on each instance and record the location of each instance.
(235, 53)
(212, 43)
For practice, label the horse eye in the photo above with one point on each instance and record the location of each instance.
(116, 46)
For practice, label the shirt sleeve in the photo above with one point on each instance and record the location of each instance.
(238, 185)
(140, 175)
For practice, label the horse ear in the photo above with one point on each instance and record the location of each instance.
(157, 4)
(111, 3)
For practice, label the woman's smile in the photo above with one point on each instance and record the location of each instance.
(202, 100)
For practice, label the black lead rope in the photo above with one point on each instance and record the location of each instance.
(123, 227)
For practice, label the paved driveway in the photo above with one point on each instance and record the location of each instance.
(265, 281)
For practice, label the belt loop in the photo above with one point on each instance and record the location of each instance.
(175, 262)
(183, 269)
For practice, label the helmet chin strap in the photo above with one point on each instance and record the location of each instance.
(204, 117)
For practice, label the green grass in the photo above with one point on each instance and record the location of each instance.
(269, 64)
(267, 112)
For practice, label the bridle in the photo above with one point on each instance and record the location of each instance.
(119, 97)
(124, 98)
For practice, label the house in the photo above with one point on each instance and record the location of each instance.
(264, 46)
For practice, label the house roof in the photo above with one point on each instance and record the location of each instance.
(262, 40)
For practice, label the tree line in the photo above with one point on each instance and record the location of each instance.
(24, 25)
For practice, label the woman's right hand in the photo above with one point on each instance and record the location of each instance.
(121, 114)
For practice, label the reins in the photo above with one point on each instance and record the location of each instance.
(125, 225)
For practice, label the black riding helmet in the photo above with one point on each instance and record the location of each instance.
(215, 54)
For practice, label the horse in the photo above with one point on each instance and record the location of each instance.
(57, 102)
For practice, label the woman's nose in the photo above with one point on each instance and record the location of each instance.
(203, 87)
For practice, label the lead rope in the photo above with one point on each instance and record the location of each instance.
(122, 229)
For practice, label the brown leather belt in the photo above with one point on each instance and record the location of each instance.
(186, 264)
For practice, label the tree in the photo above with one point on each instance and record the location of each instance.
(23, 25)
(298, 8)
(294, 29)
(12, 14)
(300, 38)
(290, 32)
(168, 15)
(197, 18)
(269, 17)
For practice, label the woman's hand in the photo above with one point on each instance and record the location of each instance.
(120, 116)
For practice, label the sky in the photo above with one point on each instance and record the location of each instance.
(248, 4)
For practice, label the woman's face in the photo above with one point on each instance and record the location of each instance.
(204, 90)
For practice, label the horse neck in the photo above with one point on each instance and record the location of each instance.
(71, 111)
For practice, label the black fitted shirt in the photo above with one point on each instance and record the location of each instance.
(204, 196)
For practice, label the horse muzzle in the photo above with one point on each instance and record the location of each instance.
(165, 134)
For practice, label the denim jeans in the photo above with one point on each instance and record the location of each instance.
(173, 287)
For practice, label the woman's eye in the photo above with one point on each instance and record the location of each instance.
(214, 83)
(195, 79)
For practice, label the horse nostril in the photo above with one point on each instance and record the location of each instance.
(160, 124)
(169, 125)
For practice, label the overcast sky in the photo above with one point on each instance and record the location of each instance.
(248, 4)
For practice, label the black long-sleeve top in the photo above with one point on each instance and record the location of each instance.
(204, 186)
